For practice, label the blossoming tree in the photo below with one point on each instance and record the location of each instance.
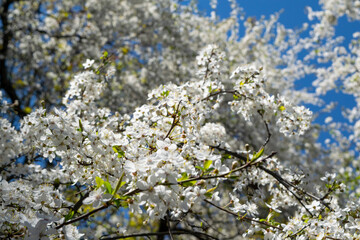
(128, 118)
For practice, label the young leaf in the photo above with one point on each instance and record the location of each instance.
(282, 108)
(211, 189)
(69, 215)
(118, 150)
(207, 164)
(189, 184)
(99, 182)
(258, 154)
(108, 187)
(105, 54)
(119, 184)
(184, 177)
(208, 194)
(200, 168)
(81, 128)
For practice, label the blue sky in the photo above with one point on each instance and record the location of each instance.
(293, 16)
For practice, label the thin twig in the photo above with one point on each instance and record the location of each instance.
(175, 121)
(287, 183)
(246, 165)
(83, 216)
(174, 232)
(267, 130)
(168, 226)
(234, 92)
(244, 217)
(234, 154)
(276, 176)
(300, 230)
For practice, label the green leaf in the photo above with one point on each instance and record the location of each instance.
(99, 182)
(117, 196)
(208, 195)
(119, 151)
(115, 148)
(121, 154)
(122, 197)
(165, 93)
(226, 156)
(124, 204)
(117, 203)
(211, 189)
(207, 164)
(108, 187)
(184, 177)
(282, 108)
(210, 169)
(328, 185)
(69, 215)
(305, 218)
(119, 184)
(258, 154)
(81, 128)
(105, 54)
(200, 168)
(189, 184)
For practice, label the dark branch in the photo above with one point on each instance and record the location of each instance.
(246, 165)
(175, 121)
(5, 82)
(275, 175)
(199, 235)
(84, 216)
(243, 217)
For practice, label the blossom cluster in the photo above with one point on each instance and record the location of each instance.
(160, 132)
(251, 98)
(156, 152)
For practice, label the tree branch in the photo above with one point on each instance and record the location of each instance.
(175, 121)
(246, 165)
(281, 180)
(5, 82)
(200, 235)
(244, 217)
(84, 216)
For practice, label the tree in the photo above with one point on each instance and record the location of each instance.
(147, 119)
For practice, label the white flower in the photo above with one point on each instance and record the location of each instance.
(273, 207)
(212, 133)
(97, 197)
(71, 232)
(88, 63)
(328, 177)
(221, 167)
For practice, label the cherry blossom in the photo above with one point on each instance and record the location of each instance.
(123, 119)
